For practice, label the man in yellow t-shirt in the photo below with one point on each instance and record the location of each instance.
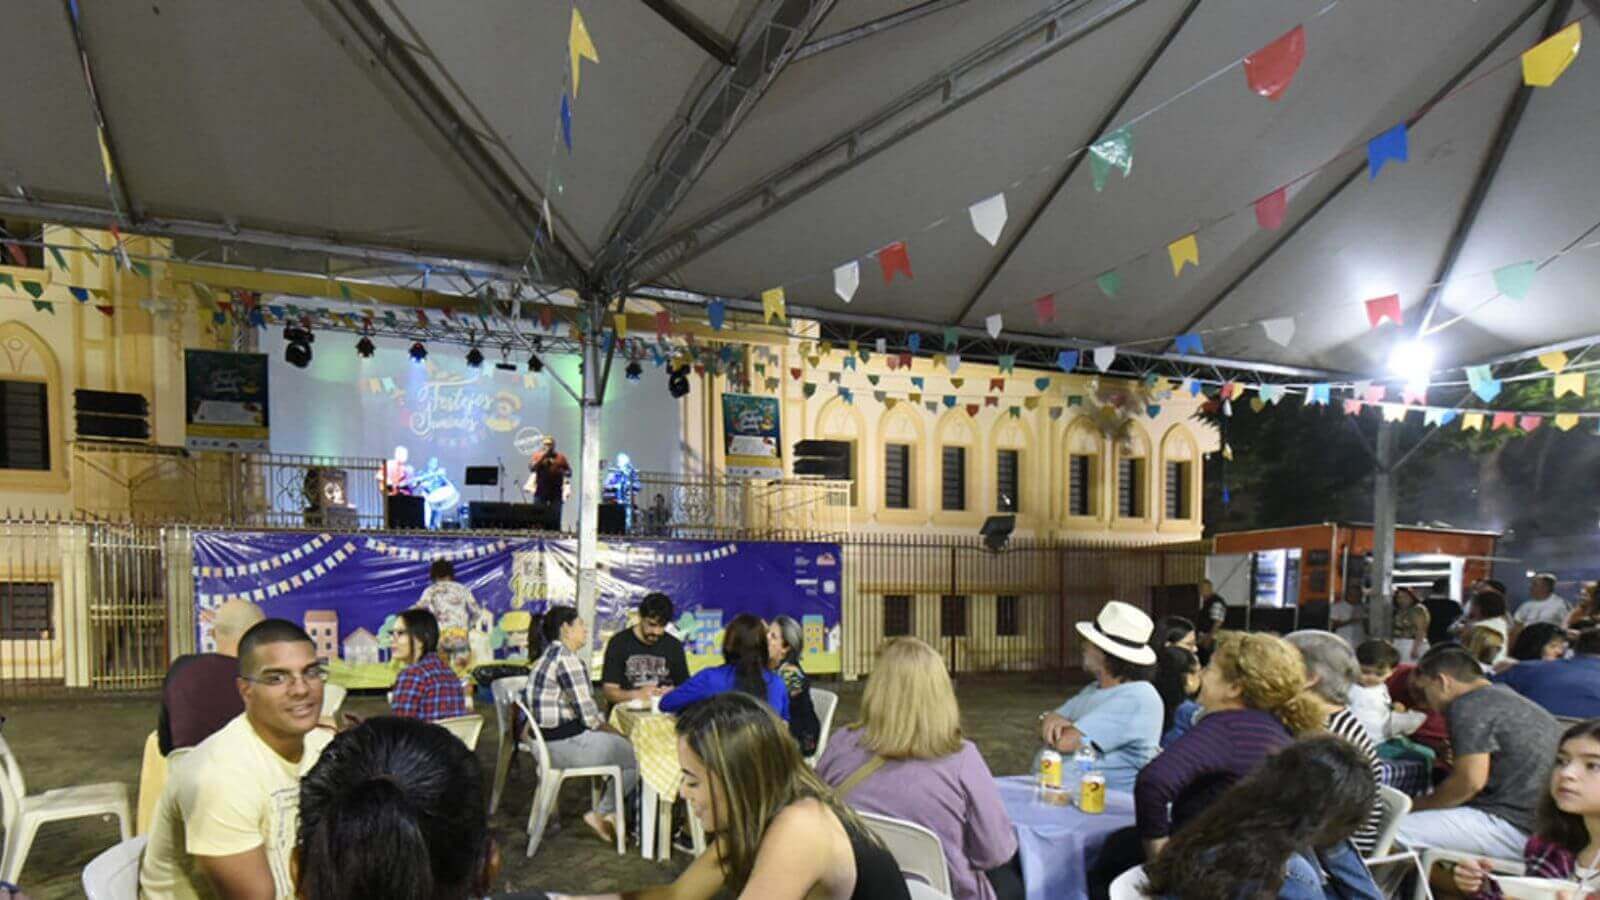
(226, 822)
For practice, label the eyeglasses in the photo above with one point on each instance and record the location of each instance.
(399, 632)
(275, 679)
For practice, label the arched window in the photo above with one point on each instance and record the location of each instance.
(957, 445)
(32, 453)
(1133, 474)
(1083, 445)
(900, 459)
(1180, 481)
(839, 421)
(1012, 443)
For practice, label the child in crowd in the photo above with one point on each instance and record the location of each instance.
(1369, 699)
(1177, 681)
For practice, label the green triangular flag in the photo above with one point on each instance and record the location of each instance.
(950, 338)
(872, 380)
(8, 281)
(344, 290)
(808, 389)
(1075, 400)
(143, 268)
(45, 305)
(1516, 279)
(61, 261)
(34, 289)
(1114, 151)
(1109, 283)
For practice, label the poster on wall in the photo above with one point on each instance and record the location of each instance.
(225, 401)
(751, 439)
(346, 591)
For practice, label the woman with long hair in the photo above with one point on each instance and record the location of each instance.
(1253, 702)
(1176, 630)
(1587, 607)
(1411, 623)
(1282, 832)
(1177, 680)
(1540, 641)
(909, 733)
(744, 668)
(1565, 843)
(779, 832)
(785, 640)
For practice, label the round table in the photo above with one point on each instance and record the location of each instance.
(654, 737)
(1059, 844)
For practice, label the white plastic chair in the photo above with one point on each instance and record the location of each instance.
(114, 874)
(1431, 856)
(505, 692)
(467, 728)
(920, 891)
(24, 814)
(826, 702)
(550, 779)
(332, 699)
(1395, 806)
(1129, 885)
(919, 851)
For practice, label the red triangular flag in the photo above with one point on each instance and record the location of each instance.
(893, 361)
(106, 310)
(1504, 420)
(991, 401)
(972, 409)
(1352, 407)
(1376, 393)
(547, 317)
(1380, 308)
(1270, 69)
(663, 323)
(796, 373)
(905, 360)
(997, 384)
(1529, 423)
(894, 258)
(422, 318)
(17, 255)
(1271, 209)
(1044, 308)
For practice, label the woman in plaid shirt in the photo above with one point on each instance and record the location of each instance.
(1566, 845)
(428, 688)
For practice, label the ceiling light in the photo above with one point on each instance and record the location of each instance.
(475, 357)
(364, 347)
(298, 351)
(419, 352)
(634, 370)
(678, 382)
(535, 364)
(1413, 361)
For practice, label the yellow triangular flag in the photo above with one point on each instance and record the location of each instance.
(1567, 421)
(621, 319)
(1394, 412)
(1542, 65)
(105, 157)
(579, 46)
(1472, 422)
(1570, 383)
(1184, 250)
(772, 305)
(1227, 452)
(1554, 361)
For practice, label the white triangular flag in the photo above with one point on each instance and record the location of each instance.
(883, 346)
(1279, 331)
(1103, 357)
(953, 362)
(846, 279)
(992, 325)
(989, 217)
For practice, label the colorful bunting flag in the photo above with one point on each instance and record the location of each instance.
(1374, 393)
(1433, 417)
(1109, 283)
(1554, 361)
(993, 324)
(1394, 412)
(1042, 383)
(620, 320)
(55, 254)
(1391, 145)
(949, 401)
(1272, 209)
(882, 346)
(972, 410)
(989, 218)
(1530, 423)
(34, 289)
(1269, 70)
(914, 342)
(716, 311)
(6, 280)
(953, 362)
(1103, 357)
(1044, 309)
(44, 306)
(893, 259)
(1257, 404)
(1483, 383)
(950, 337)
(918, 382)
(1114, 151)
(1272, 393)
(579, 46)
(847, 278)
(1352, 407)
(850, 363)
(1472, 422)
(1184, 251)
(1055, 413)
(1566, 421)
(809, 389)
(1516, 279)
(991, 401)
(1380, 308)
(1189, 343)
(1570, 383)
(1006, 362)
(997, 384)
(566, 122)
(1504, 420)
(1279, 331)
(1544, 63)
(772, 306)
(1067, 360)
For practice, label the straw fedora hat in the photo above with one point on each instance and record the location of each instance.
(1123, 631)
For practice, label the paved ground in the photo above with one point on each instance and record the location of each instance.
(60, 742)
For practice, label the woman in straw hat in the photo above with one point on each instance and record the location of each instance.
(1119, 714)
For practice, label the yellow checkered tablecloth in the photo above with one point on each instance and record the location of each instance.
(655, 745)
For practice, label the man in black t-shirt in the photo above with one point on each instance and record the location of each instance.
(644, 661)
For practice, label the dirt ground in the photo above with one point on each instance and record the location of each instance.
(60, 742)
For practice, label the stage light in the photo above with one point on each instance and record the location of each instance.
(419, 352)
(1413, 361)
(535, 364)
(475, 357)
(298, 351)
(505, 364)
(364, 348)
(678, 382)
(633, 371)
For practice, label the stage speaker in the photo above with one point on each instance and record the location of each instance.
(505, 516)
(613, 518)
(483, 476)
(404, 511)
(829, 459)
(996, 531)
(108, 414)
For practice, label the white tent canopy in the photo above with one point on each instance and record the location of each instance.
(414, 131)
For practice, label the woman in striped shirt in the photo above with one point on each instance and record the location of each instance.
(1331, 668)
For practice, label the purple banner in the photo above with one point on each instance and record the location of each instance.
(346, 590)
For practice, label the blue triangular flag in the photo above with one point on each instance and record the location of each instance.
(949, 402)
(1318, 394)
(714, 312)
(1067, 360)
(1042, 384)
(1189, 343)
(917, 382)
(1195, 388)
(850, 363)
(1389, 145)
(566, 122)
(914, 341)
(1447, 417)
(80, 294)
(1483, 383)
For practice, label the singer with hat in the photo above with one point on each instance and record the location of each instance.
(1119, 714)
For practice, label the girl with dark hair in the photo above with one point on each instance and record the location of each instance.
(1282, 832)
(744, 668)
(785, 640)
(1177, 681)
(394, 809)
(1540, 641)
(1565, 845)
(779, 831)
(1176, 630)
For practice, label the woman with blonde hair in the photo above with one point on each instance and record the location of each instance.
(909, 732)
(780, 833)
(1253, 702)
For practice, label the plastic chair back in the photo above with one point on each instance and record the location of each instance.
(332, 698)
(505, 691)
(1395, 806)
(467, 728)
(12, 788)
(541, 753)
(918, 851)
(920, 891)
(1130, 885)
(826, 702)
(114, 874)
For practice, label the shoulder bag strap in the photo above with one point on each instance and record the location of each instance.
(859, 775)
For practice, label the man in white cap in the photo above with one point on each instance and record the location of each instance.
(1120, 713)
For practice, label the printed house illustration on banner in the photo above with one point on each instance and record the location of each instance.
(323, 626)
(361, 648)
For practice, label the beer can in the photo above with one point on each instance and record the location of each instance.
(1092, 793)
(1050, 769)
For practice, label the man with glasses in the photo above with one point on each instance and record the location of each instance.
(225, 825)
(427, 688)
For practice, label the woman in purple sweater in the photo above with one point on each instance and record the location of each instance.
(1252, 702)
(910, 734)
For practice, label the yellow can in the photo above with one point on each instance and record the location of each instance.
(1092, 793)
(1050, 769)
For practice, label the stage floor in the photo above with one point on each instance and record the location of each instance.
(66, 741)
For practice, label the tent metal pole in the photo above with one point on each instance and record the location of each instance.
(589, 474)
(1379, 611)
(1344, 182)
(875, 27)
(704, 36)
